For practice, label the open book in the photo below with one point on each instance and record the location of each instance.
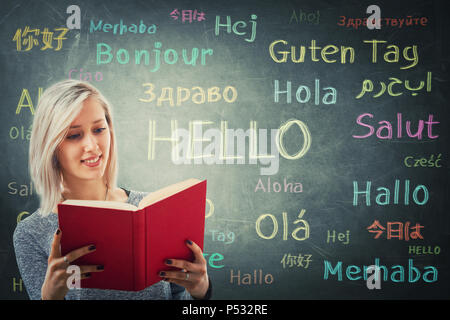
(133, 242)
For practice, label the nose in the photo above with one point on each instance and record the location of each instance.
(90, 143)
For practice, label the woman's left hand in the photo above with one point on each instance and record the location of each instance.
(193, 275)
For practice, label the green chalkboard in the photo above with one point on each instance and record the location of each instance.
(324, 142)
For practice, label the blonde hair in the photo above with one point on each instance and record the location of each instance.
(58, 106)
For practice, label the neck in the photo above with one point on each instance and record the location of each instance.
(88, 190)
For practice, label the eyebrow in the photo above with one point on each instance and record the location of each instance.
(78, 126)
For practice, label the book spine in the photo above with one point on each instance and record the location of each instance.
(139, 250)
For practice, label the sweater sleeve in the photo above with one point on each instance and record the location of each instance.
(31, 260)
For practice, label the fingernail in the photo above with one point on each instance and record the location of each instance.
(91, 248)
(162, 273)
(100, 267)
(168, 261)
(58, 231)
(189, 242)
(88, 275)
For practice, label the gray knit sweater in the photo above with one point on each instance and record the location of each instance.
(32, 242)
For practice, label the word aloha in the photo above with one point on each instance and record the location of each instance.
(393, 22)
(299, 261)
(26, 39)
(396, 230)
(367, 86)
(188, 15)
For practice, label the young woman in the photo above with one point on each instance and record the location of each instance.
(73, 155)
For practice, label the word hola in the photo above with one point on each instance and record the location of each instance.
(353, 272)
(303, 93)
(237, 27)
(383, 197)
(385, 130)
(304, 228)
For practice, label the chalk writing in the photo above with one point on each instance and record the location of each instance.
(419, 250)
(188, 15)
(237, 27)
(278, 187)
(424, 162)
(27, 38)
(409, 21)
(298, 260)
(121, 28)
(304, 229)
(384, 194)
(303, 93)
(367, 86)
(23, 190)
(341, 237)
(28, 103)
(396, 230)
(85, 75)
(257, 278)
(305, 17)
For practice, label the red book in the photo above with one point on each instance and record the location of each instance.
(133, 242)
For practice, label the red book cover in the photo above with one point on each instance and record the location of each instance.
(131, 242)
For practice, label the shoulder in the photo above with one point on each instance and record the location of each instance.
(134, 197)
(34, 228)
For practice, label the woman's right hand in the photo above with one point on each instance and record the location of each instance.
(55, 284)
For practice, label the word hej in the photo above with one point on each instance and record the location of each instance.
(367, 86)
(27, 38)
(397, 272)
(396, 230)
(237, 27)
(279, 54)
(188, 15)
(409, 21)
(187, 145)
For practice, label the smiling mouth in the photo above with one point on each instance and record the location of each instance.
(92, 161)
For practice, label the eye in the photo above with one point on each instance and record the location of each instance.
(73, 136)
(99, 130)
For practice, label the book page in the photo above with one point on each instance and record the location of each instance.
(102, 204)
(167, 192)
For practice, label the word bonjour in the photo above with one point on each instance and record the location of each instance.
(397, 272)
(168, 56)
(279, 54)
(187, 145)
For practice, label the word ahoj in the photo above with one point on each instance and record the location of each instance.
(237, 27)
(27, 39)
(396, 230)
(424, 162)
(121, 28)
(353, 272)
(304, 226)
(305, 17)
(367, 86)
(384, 194)
(189, 143)
(303, 93)
(169, 56)
(386, 126)
(257, 278)
(85, 75)
(188, 15)
(277, 187)
(342, 237)
(298, 260)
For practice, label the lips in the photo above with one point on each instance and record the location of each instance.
(92, 161)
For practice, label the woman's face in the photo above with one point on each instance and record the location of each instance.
(83, 154)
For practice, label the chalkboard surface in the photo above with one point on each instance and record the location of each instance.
(320, 126)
